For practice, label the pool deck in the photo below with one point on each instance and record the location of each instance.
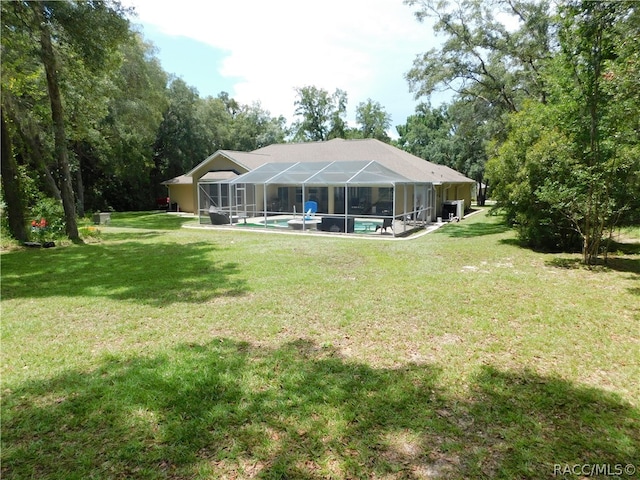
(370, 232)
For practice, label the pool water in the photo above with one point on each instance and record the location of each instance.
(360, 225)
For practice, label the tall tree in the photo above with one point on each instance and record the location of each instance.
(252, 128)
(454, 135)
(481, 57)
(428, 134)
(491, 67)
(373, 120)
(569, 169)
(322, 114)
(339, 111)
(181, 141)
(24, 97)
(61, 150)
(119, 171)
(590, 34)
(11, 186)
(65, 35)
(472, 126)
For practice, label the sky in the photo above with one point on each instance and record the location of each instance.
(261, 50)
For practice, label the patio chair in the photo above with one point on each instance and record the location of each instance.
(386, 223)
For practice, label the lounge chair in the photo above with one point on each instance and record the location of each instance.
(310, 209)
(217, 218)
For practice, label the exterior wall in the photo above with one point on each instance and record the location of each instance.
(187, 195)
(420, 198)
(260, 197)
(183, 196)
(463, 192)
(218, 163)
(455, 191)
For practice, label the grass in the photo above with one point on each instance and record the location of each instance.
(161, 352)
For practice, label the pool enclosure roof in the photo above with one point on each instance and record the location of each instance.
(363, 173)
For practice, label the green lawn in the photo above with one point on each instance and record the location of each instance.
(165, 352)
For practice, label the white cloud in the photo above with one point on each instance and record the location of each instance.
(277, 45)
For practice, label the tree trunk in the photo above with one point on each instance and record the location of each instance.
(482, 193)
(11, 187)
(60, 138)
(33, 152)
(80, 190)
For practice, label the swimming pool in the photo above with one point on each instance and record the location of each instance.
(361, 225)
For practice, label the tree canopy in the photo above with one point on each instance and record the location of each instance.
(547, 96)
(92, 122)
(321, 114)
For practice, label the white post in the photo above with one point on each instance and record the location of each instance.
(304, 213)
(404, 219)
(393, 212)
(346, 207)
(264, 195)
(198, 206)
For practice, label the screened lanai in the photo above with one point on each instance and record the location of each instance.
(342, 196)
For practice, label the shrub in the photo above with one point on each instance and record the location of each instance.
(53, 226)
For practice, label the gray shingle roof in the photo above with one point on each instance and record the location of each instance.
(401, 162)
(352, 172)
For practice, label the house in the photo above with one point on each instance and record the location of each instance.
(225, 166)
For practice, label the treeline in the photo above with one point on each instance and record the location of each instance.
(91, 121)
(546, 111)
(90, 118)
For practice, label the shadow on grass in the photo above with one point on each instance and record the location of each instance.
(468, 229)
(625, 248)
(228, 409)
(154, 273)
(618, 264)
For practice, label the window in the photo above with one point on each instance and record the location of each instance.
(359, 200)
(385, 194)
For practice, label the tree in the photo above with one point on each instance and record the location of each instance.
(481, 57)
(11, 186)
(322, 114)
(428, 134)
(491, 69)
(61, 152)
(472, 126)
(373, 120)
(193, 128)
(536, 157)
(569, 170)
(119, 169)
(63, 35)
(454, 135)
(252, 128)
(339, 111)
(232, 126)
(181, 140)
(590, 34)
(24, 98)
